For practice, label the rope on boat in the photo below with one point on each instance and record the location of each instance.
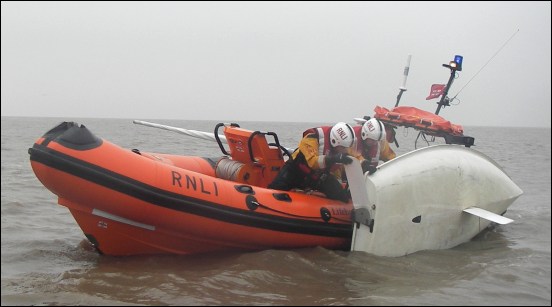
(228, 169)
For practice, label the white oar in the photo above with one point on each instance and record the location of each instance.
(195, 133)
(198, 134)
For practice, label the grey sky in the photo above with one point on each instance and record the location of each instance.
(274, 61)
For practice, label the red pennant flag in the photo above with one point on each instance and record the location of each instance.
(436, 91)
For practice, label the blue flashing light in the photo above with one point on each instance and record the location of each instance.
(458, 60)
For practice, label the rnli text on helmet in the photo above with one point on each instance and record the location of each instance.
(371, 127)
(342, 134)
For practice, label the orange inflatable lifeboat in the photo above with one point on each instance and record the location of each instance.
(130, 202)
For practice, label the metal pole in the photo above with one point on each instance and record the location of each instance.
(444, 99)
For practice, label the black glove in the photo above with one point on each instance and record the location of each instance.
(338, 158)
(367, 167)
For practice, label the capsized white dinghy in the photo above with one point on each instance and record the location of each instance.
(435, 197)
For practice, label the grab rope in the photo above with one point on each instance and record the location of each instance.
(295, 215)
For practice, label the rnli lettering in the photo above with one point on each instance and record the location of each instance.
(341, 133)
(203, 187)
(238, 145)
(340, 211)
(191, 181)
(191, 184)
(176, 178)
(371, 127)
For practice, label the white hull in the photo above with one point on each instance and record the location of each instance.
(419, 200)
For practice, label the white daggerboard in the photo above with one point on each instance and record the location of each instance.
(493, 217)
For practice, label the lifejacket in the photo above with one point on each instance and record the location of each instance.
(324, 148)
(369, 149)
(296, 172)
(390, 133)
(323, 134)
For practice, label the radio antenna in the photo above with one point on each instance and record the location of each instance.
(486, 63)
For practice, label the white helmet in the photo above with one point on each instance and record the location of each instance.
(373, 129)
(342, 135)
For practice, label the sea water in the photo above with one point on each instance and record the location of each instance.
(46, 260)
